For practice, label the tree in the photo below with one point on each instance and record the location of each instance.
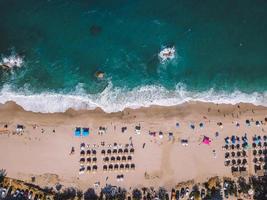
(162, 193)
(2, 175)
(137, 194)
(121, 194)
(244, 187)
(79, 194)
(90, 194)
(67, 194)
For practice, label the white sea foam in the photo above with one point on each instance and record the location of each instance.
(115, 99)
(11, 61)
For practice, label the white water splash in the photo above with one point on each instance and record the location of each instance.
(114, 99)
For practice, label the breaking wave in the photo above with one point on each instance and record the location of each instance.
(114, 99)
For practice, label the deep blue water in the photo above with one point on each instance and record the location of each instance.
(221, 46)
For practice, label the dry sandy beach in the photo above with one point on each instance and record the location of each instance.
(45, 154)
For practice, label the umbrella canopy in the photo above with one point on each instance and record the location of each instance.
(206, 140)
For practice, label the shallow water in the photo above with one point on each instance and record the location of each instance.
(221, 52)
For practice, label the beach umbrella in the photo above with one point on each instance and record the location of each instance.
(255, 160)
(106, 159)
(82, 153)
(233, 139)
(233, 162)
(94, 159)
(116, 166)
(265, 137)
(227, 154)
(227, 163)
(244, 161)
(112, 158)
(239, 161)
(118, 158)
(132, 150)
(82, 160)
(244, 153)
(88, 152)
(132, 166)
(201, 125)
(88, 169)
(265, 152)
(238, 154)
(129, 158)
(254, 152)
(126, 151)
(238, 146)
(260, 152)
(109, 151)
(123, 158)
(94, 152)
(127, 166)
(88, 160)
(105, 167)
(206, 140)
(115, 151)
(110, 167)
(265, 144)
(120, 151)
(77, 132)
(247, 122)
(94, 167)
(254, 145)
(233, 154)
(232, 146)
(121, 166)
(103, 152)
(261, 159)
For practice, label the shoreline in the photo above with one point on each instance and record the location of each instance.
(48, 138)
(12, 105)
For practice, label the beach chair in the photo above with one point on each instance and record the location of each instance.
(77, 132)
(85, 132)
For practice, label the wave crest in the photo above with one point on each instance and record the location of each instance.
(114, 99)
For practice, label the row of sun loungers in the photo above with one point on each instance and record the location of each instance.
(117, 158)
(88, 169)
(117, 151)
(88, 160)
(88, 153)
(115, 167)
(233, 154)
(236, 162)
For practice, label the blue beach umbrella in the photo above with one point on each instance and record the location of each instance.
(77, 132)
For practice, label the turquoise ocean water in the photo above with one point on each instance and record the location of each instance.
(220, 44)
